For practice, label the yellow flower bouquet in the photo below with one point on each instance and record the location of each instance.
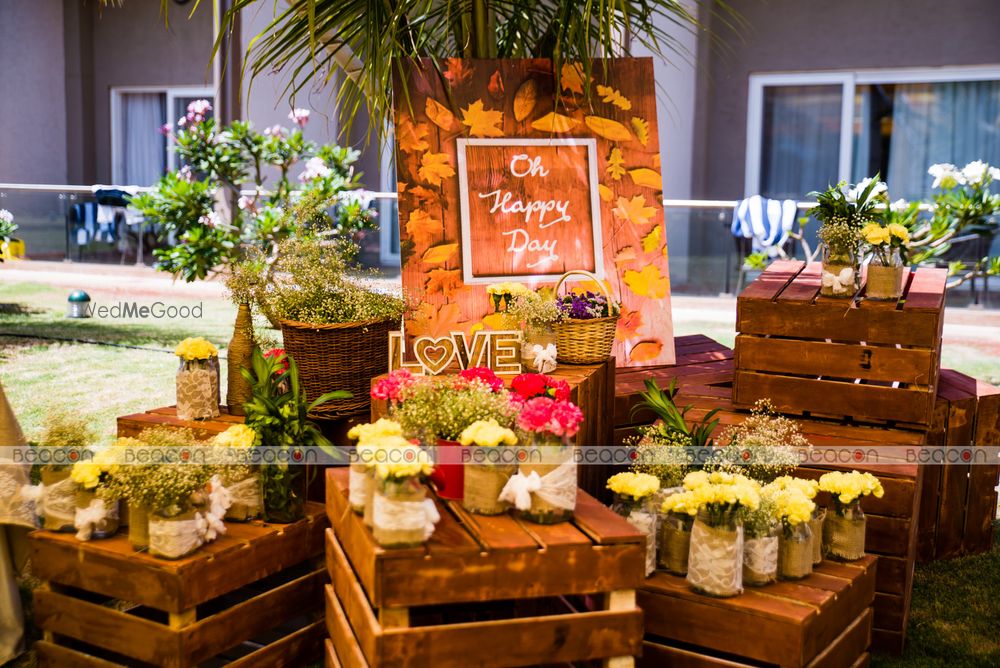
(95, 517)
(844, 529)
(633, 491)
(885, 272)
(488, 468)
(241, 479)
(402, 515)
(361, 475)
(794, 509)
(197, 379)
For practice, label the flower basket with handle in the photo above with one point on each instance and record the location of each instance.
(585, 341)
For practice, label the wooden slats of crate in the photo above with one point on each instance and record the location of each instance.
(103, 603)
(490, 591)
(869, 361)
(823, 620)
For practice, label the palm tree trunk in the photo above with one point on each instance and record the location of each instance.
(484, 44)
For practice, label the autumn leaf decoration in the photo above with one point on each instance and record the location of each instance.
(616, 164)
(482, 122)
(440, 115)
(649, 282)
(634, 210)
(571, 77)
(434, 167)
(553, 122)
(412, 136)
(609, 94)
(444, 281)
(423, 227)
(651, 241)
(607, 128)
(641, 128)
(525, 99)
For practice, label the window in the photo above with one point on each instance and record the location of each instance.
(140, 153)
(808, 130)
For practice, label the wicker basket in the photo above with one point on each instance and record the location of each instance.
(585, 341)
(341, 356)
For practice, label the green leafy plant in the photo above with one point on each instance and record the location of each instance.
(756, 261)
(843, 210)
(673, 420)
(279, 413)
(373, 42)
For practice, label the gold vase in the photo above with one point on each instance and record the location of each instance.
(238, 390)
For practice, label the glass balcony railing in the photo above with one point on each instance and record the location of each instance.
(63, 223)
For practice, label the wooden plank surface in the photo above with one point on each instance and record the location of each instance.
(655, 654)
(341, 636)
(849, 646)
(51, 655)
(246, 553)
(298, 648)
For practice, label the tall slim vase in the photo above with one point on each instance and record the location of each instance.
(238, 390)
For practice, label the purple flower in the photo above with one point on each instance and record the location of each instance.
(165, 129)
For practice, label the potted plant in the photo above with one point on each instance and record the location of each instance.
(809, 489)
(677, 513)
(763, 447)
(586, 328)
(844, 528)
(842, 211)
(715, 565)
(544, 488)
(754, 265)
(488, 470)
(279, 414)
(237, 474)
(885, 243)
(437, 409)
(96, 516)
(761, 528)
(334, 320)
(184, 508)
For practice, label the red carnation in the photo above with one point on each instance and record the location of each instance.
(529, 385)
(484, 375)
(278, 354)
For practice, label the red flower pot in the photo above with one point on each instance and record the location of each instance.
(449, 477)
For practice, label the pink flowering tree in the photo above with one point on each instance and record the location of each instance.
(235, 189)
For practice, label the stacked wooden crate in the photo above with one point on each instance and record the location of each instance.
(823, 621)
(251, 598)
(484, 591)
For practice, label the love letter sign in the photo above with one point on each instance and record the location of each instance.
(508, 171)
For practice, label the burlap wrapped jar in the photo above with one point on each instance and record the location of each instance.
(59, 500)
(402, 515)
(816, 527)
(675, 542)
(844, 532)
(107, 526)
(795, 552)
(198, 389)
(556, 500)
(715, 564)
(482, 486)
(760, 557)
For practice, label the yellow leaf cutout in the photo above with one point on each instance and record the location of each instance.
(553, 122)
(651, 241)
(434, 167)
(626, 254)
(444, 281)
(634, 210)
(571, 77)
(423, 227)
(616, 164)
(482, 122)
(646, 351)
(525, 99)
(412, 136)
(430, 320)
(425, 196)
(641, 129)
(609, 94)
(649, 282)
(646, 177)
(439, 254)
(607, 128)
(440, 115)
(605, 192)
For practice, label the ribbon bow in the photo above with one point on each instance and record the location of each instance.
(545, 357)
(841, 281)
(519, 489)
(219, 500)
(432, 516)
(87, 519)
(34, 494)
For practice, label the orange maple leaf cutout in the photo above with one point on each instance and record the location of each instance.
(616, 164)
(412, 136)
(651, 241)
(650, 282)
(423, 227)
(628, 325)
(434, 167)
(430, 320)
(444, 281)
(482, 122)
(424, 196)
(571, 77)
(457, 72)
(634, 210)
(646, 351)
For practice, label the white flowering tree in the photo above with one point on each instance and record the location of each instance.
(962, 207)
(205, 210)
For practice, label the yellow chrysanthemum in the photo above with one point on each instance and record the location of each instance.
(237, 436)
(900, 232)
(374, 430)
(86, 474)
(682, 503)
(511, 288)
(807, 487)
(875, 234)
(848, 487)
(636, 485)
(406, 460)
(195, 348)
(487, 433)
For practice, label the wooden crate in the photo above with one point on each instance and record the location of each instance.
(489, 591)
(959, 500)
(258, 586)
(861, 359)
(823, 620)
(593, 390)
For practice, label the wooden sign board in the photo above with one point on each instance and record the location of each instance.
(498, 183)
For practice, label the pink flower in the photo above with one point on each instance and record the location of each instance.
(391, 387)
(299, 116)
(165, 129)
(275, 130)
(184, 173)
(279, 355)
(210, 219)
(542, 415)
(484, 375)
(182, 121)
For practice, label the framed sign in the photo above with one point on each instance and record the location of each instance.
(530, 208)
(502, 177)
